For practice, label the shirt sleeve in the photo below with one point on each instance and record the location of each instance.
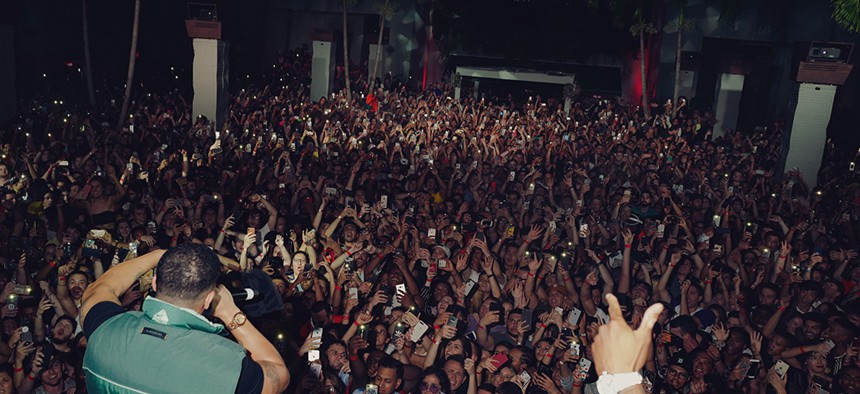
(251, 377)
(99, 314)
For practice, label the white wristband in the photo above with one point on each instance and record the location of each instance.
(615, 383)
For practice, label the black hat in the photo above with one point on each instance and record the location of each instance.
(683, 360)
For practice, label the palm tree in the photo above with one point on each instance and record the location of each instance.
(131, 60)
(346, 3)
(386, 10)
(681, 26)
(88, 68)
(625, 12)
(640, 29)
(847, 14)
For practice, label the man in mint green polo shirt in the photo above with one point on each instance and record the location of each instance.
(170, 346)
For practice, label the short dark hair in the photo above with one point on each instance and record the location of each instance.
(685, 323)
(508, 388)
(187, 272)
(391, 363)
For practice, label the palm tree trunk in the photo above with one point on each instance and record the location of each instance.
(378, 50)
(131, 60)
(88, 68)
(645, 105)
(346, 57)
(678, 63)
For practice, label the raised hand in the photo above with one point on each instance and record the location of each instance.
(619, 349)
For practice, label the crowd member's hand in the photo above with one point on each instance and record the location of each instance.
(229, 223)
(698, 386)
(378, 298)
(249, 240)
(619, 349)
(546, 383)
(445, 332)
(720, 332)
(778, 383)
(22, 350)
(489, 318)
(37, 364)
(310, 344)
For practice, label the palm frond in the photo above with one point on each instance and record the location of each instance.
(847, 14)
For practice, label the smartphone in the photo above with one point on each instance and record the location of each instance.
(316, 369)
(384, 201)
(330, 191)
(851, 166)
(452, 321)
(499, 359)
(418, 331)
(23, 290)
(65, 163)
(718, 248)
(313, 355)
(510, 231)
(317, 333)
(583, 228)
(526, 378)
(752, 372)
(26, 335)
(661, 229)
(830, 344)
(371, 389)
(585, 365)
(574, 348)
(512, 176)
(527, 317)
(579, 203)
(431, 233)
(574, 316)
(251, 231)
(781, 368)
(472, 336)
(717, 219)
(559, 311)
(353, 293)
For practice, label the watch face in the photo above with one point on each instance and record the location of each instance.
(239, 319)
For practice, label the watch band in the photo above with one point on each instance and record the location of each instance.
(239, 319)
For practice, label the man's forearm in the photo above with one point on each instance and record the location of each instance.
(261, 350)
(118, 279)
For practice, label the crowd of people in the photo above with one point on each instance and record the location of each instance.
(422, 244)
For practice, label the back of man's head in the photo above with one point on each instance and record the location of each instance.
(187, 272)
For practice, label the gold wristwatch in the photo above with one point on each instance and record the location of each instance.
(238, 320)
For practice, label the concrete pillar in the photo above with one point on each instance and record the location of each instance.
(729, 89)
(476, 90)
(809, 129)
(211, 79)
(322, 70)
(457, 93)
(687, 86)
